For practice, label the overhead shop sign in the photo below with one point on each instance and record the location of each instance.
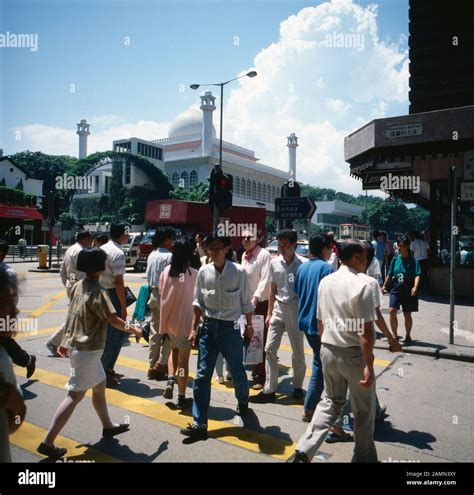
(467, 191)
(403, 131)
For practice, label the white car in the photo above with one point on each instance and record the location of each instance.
(132, 249)
(302, 248)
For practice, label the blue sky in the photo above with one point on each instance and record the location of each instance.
(171, 43)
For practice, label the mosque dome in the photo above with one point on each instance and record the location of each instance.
(187, 122)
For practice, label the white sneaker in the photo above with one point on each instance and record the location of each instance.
(220, 379)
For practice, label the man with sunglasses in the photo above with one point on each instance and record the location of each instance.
(256, 263)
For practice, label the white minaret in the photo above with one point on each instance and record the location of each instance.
(208, 105)
(83, 132)
(292, 145)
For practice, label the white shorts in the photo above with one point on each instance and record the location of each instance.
(86, 370)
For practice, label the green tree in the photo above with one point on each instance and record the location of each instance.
(199, 193)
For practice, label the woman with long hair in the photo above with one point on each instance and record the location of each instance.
(176, 288)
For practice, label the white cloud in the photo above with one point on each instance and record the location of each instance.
(319, 92)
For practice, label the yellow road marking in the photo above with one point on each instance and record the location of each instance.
(41, 309)
(43, 331)
(29, 436)
(254, 441)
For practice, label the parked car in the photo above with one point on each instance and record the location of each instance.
(132, 249)
(302, 248)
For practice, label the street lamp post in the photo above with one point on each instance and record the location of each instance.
(218, 168)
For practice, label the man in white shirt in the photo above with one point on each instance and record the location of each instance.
(283, 316)
(158, 260)
(69, 276)
(256, 262)
(221, 296)
(345, 316)
(113, 280)
(420, 249)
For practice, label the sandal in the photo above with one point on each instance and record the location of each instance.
(51, 452)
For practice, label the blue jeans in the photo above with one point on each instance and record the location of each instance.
(115, 338)
(316, 382)
(218, 336)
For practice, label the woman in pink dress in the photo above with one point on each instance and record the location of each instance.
(176, 288)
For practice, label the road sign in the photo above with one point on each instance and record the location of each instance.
(294, 208)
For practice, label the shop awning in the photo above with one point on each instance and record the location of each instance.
(20, 212)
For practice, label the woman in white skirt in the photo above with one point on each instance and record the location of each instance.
(86, 328)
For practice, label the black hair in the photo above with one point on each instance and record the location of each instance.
(289, 234)
(230, 254)
(376, 234)
(215, 236)
(102, 237)
(83, 235)
(348, 248)
(91, 260)
(202, 235)
(370, 251)
(318, 242)
(181, 259)
(4, 247)
(161, 235)
(404, 241)
(117, 229)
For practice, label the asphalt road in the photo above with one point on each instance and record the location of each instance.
(429, 403)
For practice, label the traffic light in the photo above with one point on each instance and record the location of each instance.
(220, 191)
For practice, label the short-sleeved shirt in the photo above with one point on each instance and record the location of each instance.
(115, 264)
(420, 249)
(86, 321)
(307, 281)
(157, 261)
(404, 269)
(345, 304)
(283, 276)
(374, 268)
(374, 285)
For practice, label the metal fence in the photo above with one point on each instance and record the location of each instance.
(31, 253)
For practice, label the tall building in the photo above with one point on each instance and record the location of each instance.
(441, 60)
(413, 153)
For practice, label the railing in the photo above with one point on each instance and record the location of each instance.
(31, 254)
(178, 139)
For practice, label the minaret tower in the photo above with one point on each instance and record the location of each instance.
(83, 132)
(292, 145)
(208, 105)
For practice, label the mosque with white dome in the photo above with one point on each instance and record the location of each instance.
(190, 152)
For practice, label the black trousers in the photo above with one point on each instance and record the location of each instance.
(17, 354)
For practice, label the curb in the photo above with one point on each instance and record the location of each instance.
(436, 353)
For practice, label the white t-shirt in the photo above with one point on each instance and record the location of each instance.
(115, 264)
(345, 304)
(374, 268)
(420, 249)
(334, 261)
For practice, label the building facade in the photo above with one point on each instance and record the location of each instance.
(413, 153)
